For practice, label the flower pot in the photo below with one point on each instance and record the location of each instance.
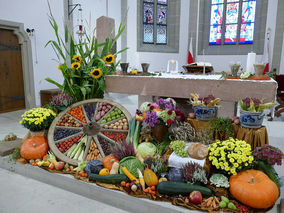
(39, 133)
(251, 119)
(159, 130)
(259, 69)
(205, 113)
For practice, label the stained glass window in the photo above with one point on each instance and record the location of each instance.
(236, 17)
(155, 21)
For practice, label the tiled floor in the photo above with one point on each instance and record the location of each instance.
(9, 122)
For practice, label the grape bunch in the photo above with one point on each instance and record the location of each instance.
(178, 147)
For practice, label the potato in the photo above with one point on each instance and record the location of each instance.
(116, 124)
(119, 127)
(124, 120)
(125, 127)
(114, 127)
(106, 126)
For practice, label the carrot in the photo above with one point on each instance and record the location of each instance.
(153, 188)
(127, 185)
(123, 183)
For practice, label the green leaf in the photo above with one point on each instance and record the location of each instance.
(54, 82)
(120, 51)
(58, 49)
(84, 92)
(66, 33)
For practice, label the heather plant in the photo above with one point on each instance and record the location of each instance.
(269, 154)
(61, 101)
(194, 173)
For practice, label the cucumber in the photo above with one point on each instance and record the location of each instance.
(176, 188)
(112, 179)
(270, 172)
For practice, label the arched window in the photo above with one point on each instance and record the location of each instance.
(158, 25)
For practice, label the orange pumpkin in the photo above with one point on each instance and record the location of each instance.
(108, 161)
(254, 188)
(34, 148)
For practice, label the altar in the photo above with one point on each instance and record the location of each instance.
(180, 86)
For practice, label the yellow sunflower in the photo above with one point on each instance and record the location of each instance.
(96, 73)
(109, 59)
(59, 67)
(76, 65)
(77, 58)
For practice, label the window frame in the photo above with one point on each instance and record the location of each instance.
(173, 28)
(231, 49)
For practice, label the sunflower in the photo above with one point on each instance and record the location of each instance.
(77, 58)
(75, 65)
(59, 67)
(96, 73)
(109, 59)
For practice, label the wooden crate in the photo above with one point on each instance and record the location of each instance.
(46, 95)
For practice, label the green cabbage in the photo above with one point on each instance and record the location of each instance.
(146, 148)
(131, 163)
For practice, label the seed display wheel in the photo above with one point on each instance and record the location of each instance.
(87, 130)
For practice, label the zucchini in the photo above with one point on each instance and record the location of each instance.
(176, 188)
(269, 171)
(112, 179)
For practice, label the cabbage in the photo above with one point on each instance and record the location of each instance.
(131, 163)
(146, 148)
(94, 166)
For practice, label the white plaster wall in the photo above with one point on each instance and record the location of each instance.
(158, 61)
(92, 10)
(281, 71)
(33, 14)
(221, 62)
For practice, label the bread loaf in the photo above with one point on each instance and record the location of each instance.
(198, 151)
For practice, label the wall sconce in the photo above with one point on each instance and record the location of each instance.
(30, 31)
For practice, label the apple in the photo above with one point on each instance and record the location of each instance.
(59, 165)
(237, 121)
(195, 197)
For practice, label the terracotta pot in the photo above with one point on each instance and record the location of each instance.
(158, 131)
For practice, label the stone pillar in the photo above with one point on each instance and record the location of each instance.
(104, 26)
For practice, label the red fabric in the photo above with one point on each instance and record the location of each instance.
(190, 58)
(266, 69)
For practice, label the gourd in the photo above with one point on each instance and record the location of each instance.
(179, 188)
(104, 171)
(254, 188)
(112, 179)
(150, 177)
(114, 168)
(34, 148)
(129, 175)
(108, 161)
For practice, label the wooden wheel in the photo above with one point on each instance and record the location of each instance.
(87, 130)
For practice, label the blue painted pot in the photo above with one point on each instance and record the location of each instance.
(251, 119)
(205, 113)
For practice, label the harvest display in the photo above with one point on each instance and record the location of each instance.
(98, 141)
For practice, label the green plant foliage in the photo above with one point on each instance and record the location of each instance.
(84, 79)
(223, 127)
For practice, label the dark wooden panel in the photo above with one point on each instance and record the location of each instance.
(12, 96)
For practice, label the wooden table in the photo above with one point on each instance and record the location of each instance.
(180, 86)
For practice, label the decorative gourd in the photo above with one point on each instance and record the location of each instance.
(34, 148)
(104, 171)
(150, 177)
(108, 161)
(114, 168)
(254, 189)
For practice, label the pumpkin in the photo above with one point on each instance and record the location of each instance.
(150, 177)
(254, 188)
(34, 148)
(104, 171)
(108, 161)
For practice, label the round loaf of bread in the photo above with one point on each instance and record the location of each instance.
(198, 151)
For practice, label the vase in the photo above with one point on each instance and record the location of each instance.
(259, 69)
(251, 119)
(159, 130)
(235, 69)
(205, 113)
(145, 67)
(124, 67)
(39, 133)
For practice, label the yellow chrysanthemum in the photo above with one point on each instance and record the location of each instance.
(76, 65)
(96, 73)
(109, 59)
(133, 72)
(77, 58)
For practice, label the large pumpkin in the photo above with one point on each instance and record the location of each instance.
(34, 148)
(254, 188)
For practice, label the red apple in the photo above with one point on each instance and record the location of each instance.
(59, 165)
(195, 197)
